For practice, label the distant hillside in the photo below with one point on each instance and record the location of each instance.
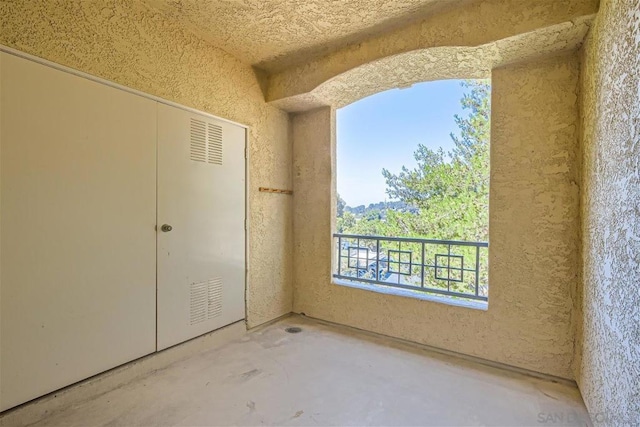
(363, 211)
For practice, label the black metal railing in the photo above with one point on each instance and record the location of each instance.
(447, 267)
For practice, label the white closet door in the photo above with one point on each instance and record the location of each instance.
(78, 184)
(201, 196)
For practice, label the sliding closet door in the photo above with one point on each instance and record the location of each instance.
(201, 236)
(78, 210)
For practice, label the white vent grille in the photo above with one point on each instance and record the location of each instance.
(198, 141)
(205, 300)
(214, 144)
(206, 142)
(198, 309)
(214, 302)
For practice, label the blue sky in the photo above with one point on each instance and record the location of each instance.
(384, 130)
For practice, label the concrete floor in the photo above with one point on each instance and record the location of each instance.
(327, 375)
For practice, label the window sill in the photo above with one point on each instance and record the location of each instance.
(388, 290)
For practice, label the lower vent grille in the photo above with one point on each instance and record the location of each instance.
(205, 300)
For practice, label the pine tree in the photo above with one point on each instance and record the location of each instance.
(450, 189)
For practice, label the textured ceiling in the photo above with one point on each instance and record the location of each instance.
(273, 34)
(461, 42)
(439, 63)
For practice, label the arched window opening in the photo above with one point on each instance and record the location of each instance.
(413, 189)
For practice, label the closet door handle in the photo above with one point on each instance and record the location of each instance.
(166, 228)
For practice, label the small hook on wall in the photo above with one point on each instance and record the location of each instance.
(274, 190)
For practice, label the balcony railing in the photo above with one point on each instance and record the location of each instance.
(446, 267)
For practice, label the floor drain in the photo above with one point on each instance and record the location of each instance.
(293, 330)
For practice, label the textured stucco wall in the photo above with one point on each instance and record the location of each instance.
(525, 27)
(608, 360)
(313, 178)
(123, 42)
(438, 63)
(533, 231)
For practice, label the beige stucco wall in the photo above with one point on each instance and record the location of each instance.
(437, 63)
(534, 206)
(608, 363)
(533, 231)
(523, 28)
(120, 41)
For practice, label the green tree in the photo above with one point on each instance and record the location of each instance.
(340, 206)
(346, 223)
(451, 189)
